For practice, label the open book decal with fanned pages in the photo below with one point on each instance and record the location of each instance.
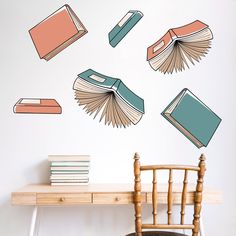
(57, 32)
(37, 106)
(124, 26)
(192, 117)
(109, 97)
(178, 46)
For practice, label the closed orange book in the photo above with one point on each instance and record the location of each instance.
(57, 32)
(37, 106)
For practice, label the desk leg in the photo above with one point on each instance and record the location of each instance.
(33, 221)
(202, 232)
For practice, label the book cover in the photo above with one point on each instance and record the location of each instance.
(56, 32)
(37, 106)
(124, 26)
(72, 158)
(68, 172)
(188, 43)
(78, 180)
(68, 168)
(192, 117)
(74, 176)
(70, 163)
(69, 184)
(109, 97)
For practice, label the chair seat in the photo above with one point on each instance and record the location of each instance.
(158, 233)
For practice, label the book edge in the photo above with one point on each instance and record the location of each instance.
(208, 108)
(164, 115)
(136, 13)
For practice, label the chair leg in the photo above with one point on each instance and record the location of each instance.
(33, 221)
(202, 232)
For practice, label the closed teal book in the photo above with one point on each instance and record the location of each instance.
(124, 26)
(192, 117)
(109, 96)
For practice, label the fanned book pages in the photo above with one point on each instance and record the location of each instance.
(179, 46)
(109, 98)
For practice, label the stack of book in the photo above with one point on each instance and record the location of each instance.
(69, 169)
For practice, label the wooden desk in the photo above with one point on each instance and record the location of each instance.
(38, 195)
(47, 195)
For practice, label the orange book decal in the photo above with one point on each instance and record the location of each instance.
(37, 106)
(56, 32)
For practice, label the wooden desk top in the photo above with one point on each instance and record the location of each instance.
(45, 194)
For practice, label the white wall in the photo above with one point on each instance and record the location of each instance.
(26, 140)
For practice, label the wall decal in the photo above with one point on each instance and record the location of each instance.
(37, 106)
(192, 117)
(179, 45)
(124, 26)
(57, 32)
(108, 97)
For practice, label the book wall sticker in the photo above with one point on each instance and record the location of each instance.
(37, 106)
(192, 118)
(56, 32)
(179, 46)
(124, 26)
(108, 97)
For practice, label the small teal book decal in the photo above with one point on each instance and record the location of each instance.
(109, 97)
(124, 26)
(192, 117)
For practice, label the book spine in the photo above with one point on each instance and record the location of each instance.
(70, 164)
(116, 85)
(83, 177)
(71, 158)
(59, 168)
(69, 172)
(54, 184)
(70, 180)
(73, 15)
(126, 28)
(37, 109)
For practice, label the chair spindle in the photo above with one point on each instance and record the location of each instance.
(137, 196)
(170, 197)
(154, 197)
(184, 194)
(198, 196)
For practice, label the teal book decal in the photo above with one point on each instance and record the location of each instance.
(124, 26)
(109, 97)
(192, 117)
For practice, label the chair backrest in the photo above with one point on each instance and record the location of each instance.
(200, 171)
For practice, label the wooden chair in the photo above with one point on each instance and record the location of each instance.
(139, 226)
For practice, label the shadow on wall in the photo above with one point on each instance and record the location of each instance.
(14, 219)
(83, 220)
(18, 217)
(39, 172)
